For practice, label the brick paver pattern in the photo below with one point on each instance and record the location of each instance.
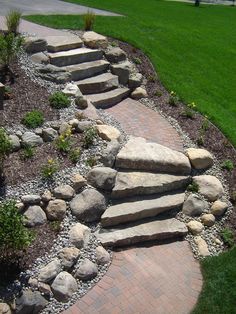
(138, 120)
(155, 279)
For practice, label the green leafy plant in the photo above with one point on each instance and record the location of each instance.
(14, 237)
(49, 169)
(7, 92)
(5, 148)
(64, 142)
(13, 21)
(173, 99)
(91, 161)
(227, 165)
(193, 187)
(28, 152)
(114, 44)
(33, 119)
(188, 113)
(58, 100)
(89, 137)
(55, 226)
(158, 93)
(227, 236)
(152, 78)
(205, 124)
(200, 140)
(74, 155)
(137, 60)
(89, 20)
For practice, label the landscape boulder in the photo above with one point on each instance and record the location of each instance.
(102, 256)
(102, 178)
(5, 308)
(31, 139)
(49, 134)
(50, 271)
(69, 256)
(94, 40)
(115, 55)
(194, 205)
(30, 302)
(199, 158)
(218, 208)
(202, 246)
(71, 89)
(209, 186)
(87, 270)
(64, 192)
(135, 80)
(195, 227)
(109, 153)
(56, 209)
(122, 70)
(138, 93)
(79, 235)
(34, 44)
(208, 220)
(31, 199)
(34, 216)
(108, 132)
(78, 182)
(64, 286)
(15, 143)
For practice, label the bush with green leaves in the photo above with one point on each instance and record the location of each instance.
(14, 236)
(227, 165)
(89, 136)
(227, 236)
(89, 20)
(5, 148)
(33, 119)
(13, 21)
(193, 187)
(58, 100)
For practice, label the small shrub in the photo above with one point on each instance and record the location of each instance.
(74, 155)
(188, 113)
(33, 119)
(13, 21)
(227, 236)
(27, 152)
(55, 226)
(137, 60)
(58, 100)
(114, 44)
(13, 235)
(193, 187)
(63, 143)
(49, 169)
(227, 165)
(89, 20)
(5, 148)
(158, 93)
(89, 136)
(91, 161)
(205, 124)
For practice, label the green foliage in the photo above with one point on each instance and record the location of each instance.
(193, 187)
(55, 226)
(74, 155)
(27, 152)
(49, 169)
(64, 142)
(89, 20)
(13, 235)
(58, 100)
(201, 140)
(188, 113)
(13, 21)
(89, 137)
(33, 119)
(228, 165)
(173, 99)
(91, 161)
(205, 124)
(137, 60)
(227, 236)
(9, 47)
(158, 93)
(5, 148)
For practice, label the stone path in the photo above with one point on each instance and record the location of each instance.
(155, 279)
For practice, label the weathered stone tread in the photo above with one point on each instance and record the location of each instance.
(110, 98)
(63, 43)
(98, 84)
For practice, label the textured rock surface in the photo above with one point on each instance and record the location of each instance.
(31, 139)
(218, 208)
(208, 220)
(30, 303)
(107, 132)
(79, 235)
(102, 256)
(50, 271)
(102, 178)
(122, 70)
(78, 182)
(195, 227)
(109, 154)
(69, 256)
(86, 270)
(15, 142)
(34, 216)
(143, 155)
(202, 246)
(89, 205)
(64, 192)
(5, 308)
(56, 210)
(94, 40)
(64, 286)
(138, 93)
(115, 55)
(200, 158)
(34, 44)
(209, 186)
(194, 205)
(135, 80)
(31, 199)
(49, 134)
(55, 43)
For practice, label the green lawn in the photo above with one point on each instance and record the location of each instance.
(193, 49)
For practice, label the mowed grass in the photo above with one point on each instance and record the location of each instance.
(192, 49)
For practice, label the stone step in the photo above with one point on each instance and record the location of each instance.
(63, 43)
(87, 69)
(98, 84)
(132, 183)
(140, 209)
(110, 98)
(146, 231)
(139, 154)
(74, 56)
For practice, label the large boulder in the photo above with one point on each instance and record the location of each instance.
(194, 205)
(49, 134)
(199, 158)
(53, 73)
(31, 139)
(102, 178)
(39, 57)
(71, 89)
(15, 142)
(50, 271)
(218, 208)
(78, 182)
(64, 192)
(115, 55)
(79, 235)
(34, 44)
(122, 70)
(87, 270)
(94, 40)
(135, 80)
(209, 186)
(69, 256)
(109, 154)
(30, 303)
(31, 199)
(56, 210)
(64, 286)
(34, 216)
(108, 132)
(89, 205)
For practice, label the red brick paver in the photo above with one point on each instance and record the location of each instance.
(138, 120)
(156, 279)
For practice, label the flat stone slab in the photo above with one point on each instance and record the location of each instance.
(154, 230)
(63, 43)
(110, 98)
(140, 154)
(134, 183)
(135, 210)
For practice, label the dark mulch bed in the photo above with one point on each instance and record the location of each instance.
(26, 96)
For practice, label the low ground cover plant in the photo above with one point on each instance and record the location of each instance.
(5, 149)
(89, 137)
(49, 169)
(33, 119)
(58, 100)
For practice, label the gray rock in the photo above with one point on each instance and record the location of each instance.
(34, 216)
(5, 308)
(30, 303)
(87, 270)
(194, 206)
(64, 127)
(200, 158)
(195, 227)
(209, 186)
(108, 132)
(56, 210)
(69, 256)
(49, 134)
(15, 143)
(135, 80)
(44, 289)
(31, 199)
(38, 131)
(94, 40)
(81, 102)
(64, 192)
(40, 58)
(218, 208)
(71, 89)
(64, 286)
(55, 74)
(109, 154)
(83, 125)
(31, 139)
(115, 55)
(79, 235)
(139, 93)
(122, 70)
(102, 178)
(102, 256)
(89, 205)
(34, 45)
(78, 182)
(46, 196)
(50, 271)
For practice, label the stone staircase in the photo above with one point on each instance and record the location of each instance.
(147, 193)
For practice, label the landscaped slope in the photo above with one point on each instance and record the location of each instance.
(192, 49)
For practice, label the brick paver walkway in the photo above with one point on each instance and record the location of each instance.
(155, 279)
(138, 120)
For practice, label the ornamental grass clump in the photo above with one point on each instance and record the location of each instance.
(13, 21)
(89, 20)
